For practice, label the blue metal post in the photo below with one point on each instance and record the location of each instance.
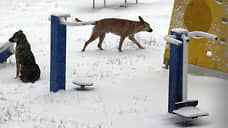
(175, 71)
(4, 55)
(58, 55)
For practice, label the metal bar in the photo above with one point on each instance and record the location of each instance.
(136, 1)
(59, 15)
(195, 35)
(68, 23)
(58, 55)
(175, 76)
(170, 39)
(104, 3)
(176, 68)
(185, 67)
(93, 3)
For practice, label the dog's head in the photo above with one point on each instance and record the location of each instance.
(17, 36)
(145, 25)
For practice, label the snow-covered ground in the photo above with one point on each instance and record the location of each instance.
(131, 88)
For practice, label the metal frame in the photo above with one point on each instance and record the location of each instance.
(178, 73)
(177, 91)
(6, 50)
(125, 3)
(58, 49)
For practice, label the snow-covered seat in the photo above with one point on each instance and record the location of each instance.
(190, 112)
(6, 50)
(188, 109)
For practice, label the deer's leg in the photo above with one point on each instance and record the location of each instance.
(121, 43)
(92, 38)
(132, 38)
(101, 39)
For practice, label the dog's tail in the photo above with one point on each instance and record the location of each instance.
(77, 20)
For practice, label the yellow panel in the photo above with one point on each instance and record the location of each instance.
(208, 16)
(197, 16)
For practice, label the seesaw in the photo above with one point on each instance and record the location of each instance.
(6, 50)
(178, 102)
(82, 84)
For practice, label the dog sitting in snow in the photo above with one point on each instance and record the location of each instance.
(26, 65)
(123, 28)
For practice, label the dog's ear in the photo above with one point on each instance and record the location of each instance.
(141, 20)
(21, 34)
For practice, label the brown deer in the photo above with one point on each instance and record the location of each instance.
(123, 28)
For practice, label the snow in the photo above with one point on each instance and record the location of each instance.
(172, 39)
(219, 3)
(209, 53)
(190, 112)
(82, 82)
(179, 30)
(130, 88)
(200, 35)
(223, 42)
(5, 46)
(224, 22)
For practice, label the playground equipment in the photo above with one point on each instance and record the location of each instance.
(178, 102)
(58, 49)
(209, 16)
(83, 84)
(125, 3)
(6, 50)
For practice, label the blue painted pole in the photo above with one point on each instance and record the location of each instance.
(58, 55)
(175, 75)
(176, 71)
(4, 55)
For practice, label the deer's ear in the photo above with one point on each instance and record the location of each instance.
(141, 20)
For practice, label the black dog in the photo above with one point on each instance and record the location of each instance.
(25, 60)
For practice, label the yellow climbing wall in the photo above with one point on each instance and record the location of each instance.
(208, 16)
